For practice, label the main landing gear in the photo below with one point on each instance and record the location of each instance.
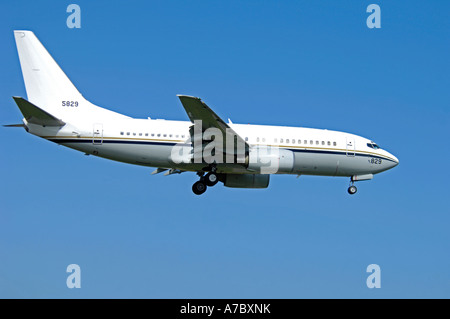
(199, 187)
(210, 179)
(352, 189)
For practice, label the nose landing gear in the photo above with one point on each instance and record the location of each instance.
(352, 189)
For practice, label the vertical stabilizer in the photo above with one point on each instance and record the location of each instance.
(46, 84)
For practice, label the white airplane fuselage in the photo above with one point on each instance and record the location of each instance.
(56, 111)
(149, 142)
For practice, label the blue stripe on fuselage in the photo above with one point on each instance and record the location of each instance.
(106, 141)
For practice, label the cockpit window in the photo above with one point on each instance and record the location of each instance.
(373, 145)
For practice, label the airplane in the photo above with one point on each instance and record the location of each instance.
(239, 156)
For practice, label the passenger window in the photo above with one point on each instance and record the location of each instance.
(263, 139)
(299, 141)
(323, 142)
(305, 141)
(158, 135)
(334, 143)
(293, 141)
(121, 133)
(182, 136)
(311, 142)
(287, 140)
(257, 139)
(134, 134)
(146, 134)
(140, 134)
(317, 142)
(281, 140)
(329, 143)
(128, 133)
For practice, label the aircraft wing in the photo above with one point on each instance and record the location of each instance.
(198, 110)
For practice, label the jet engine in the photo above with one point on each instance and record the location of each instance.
(246, 180)
(270, 160)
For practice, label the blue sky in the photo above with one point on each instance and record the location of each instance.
(299, 63)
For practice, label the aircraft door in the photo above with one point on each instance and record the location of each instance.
(97, 136)
(350, 148)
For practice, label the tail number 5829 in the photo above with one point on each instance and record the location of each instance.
(70, 103)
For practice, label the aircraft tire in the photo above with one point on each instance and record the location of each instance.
(211, 179)
(199, 188)
(352, 190)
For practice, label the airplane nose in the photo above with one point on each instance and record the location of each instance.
(395, 159)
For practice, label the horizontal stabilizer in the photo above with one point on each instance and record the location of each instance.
(35, 115)
(14, 125)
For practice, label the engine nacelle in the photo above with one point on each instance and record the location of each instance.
(270, 160)
(246, 180)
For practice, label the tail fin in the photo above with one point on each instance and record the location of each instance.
(45, 82)
(48, 88)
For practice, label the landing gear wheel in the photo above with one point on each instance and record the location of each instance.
(211, 179)
(352, 190)
(199, 188)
